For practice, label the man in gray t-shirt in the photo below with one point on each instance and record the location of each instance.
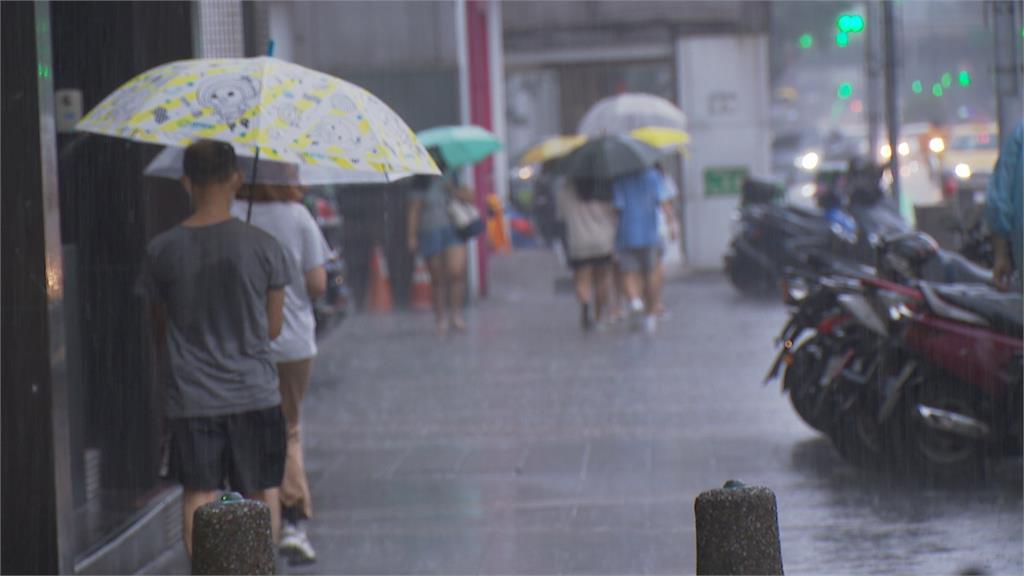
(218, 285)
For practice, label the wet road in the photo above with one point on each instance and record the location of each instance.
(526, 447)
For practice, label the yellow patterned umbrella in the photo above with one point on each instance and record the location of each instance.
(665, 139)
(554, 147)
(267, 108)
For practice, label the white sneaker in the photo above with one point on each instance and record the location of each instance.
(636, 313)
(295, 545)
(650, 324)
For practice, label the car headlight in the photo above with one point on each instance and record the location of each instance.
(962, 171)
(885, 151)
(936, 145)
(903, 149)
(809, 161)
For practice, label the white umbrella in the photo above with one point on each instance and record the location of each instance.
(629, 111)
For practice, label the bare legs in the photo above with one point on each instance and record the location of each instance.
(448, 287)
(593, 287)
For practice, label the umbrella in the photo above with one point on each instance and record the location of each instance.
(265, 107)
(664, 139)
(629, 111)
(461, 145)
(552, 148)
(169, 163)
(608, 157)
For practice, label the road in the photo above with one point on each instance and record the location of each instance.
(527, 447)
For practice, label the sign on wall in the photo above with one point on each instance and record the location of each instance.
(724, 180)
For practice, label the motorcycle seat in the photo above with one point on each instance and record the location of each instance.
(952, 268)
(1002, 310)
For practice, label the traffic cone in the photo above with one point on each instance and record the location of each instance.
(380, 284)
(421, 297)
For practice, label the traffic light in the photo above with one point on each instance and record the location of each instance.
(947, 80)
(842, 39)
(844, 91)
(964, 78)
(850, 23)
(936, 89)
(916, 87)
(806, 41)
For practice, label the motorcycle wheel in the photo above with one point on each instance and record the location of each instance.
(748, 277)
(857, 434)
(803, 380)
(939, 456)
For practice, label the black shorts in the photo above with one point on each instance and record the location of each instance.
(244, 451)
(577, 263)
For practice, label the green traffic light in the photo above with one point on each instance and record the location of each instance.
(844, 91)
(964, 78)
(806, 40)
(842, 39)
(936, 89)
(850, 23)
(916, 87)
(947, 80)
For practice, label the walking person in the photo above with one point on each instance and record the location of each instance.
(1004, 211)
(217, 288)
(590, 227)
(278, 211)
(637, 198)
(432, 235)
(668, 232)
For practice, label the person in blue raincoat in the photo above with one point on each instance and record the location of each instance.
(1003, 210)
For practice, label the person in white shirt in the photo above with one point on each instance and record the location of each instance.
(278, 210)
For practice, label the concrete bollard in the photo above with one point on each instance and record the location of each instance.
(737, 531)
(232, 536)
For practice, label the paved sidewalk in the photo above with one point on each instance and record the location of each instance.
(527, 447)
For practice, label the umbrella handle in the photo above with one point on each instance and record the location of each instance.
(255, 165)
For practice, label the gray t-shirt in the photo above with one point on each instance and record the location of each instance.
(434, 211)
(213, 281)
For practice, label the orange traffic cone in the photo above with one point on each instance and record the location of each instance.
(380, 284)
(420, 298)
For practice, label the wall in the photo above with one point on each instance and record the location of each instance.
(726, 101)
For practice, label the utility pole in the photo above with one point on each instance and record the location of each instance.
(892, 102)
(1009, 105)
(873, 70)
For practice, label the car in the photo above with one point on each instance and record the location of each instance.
(970, 156)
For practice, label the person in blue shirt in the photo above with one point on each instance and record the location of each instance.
(1003, 210)
(637, 197)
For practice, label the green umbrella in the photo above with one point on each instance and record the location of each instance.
(608, 157)
(460, 145)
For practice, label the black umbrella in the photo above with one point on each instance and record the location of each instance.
(608, 157)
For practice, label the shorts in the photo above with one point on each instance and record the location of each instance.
(245, 451)
(577, 263)
(643, 259)
(433, 242)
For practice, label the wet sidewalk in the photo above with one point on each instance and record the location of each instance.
(527, 447)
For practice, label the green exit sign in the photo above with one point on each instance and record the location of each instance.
(724, 180)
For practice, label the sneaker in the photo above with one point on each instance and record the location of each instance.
(586, 319)
(295, 545)
(636, 313)
(650, 324)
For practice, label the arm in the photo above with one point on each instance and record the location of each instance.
(275, 312)
(316, 282)
(670, 219)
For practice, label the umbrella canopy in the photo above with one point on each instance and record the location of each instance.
(268, 108)
(169, 163)
(552, 148)
(664, 139)
(608, 157)
(630, 111)
(460, 145)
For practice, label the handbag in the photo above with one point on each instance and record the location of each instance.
(465, 218)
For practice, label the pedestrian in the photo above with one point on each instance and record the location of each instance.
(590, 227)
(668, 232)
(431, 234)
(1003, 211)
(637, 198)
(217, 285)
(278, 211)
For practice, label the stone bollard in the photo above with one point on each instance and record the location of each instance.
(737, 531)
(232, 536)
